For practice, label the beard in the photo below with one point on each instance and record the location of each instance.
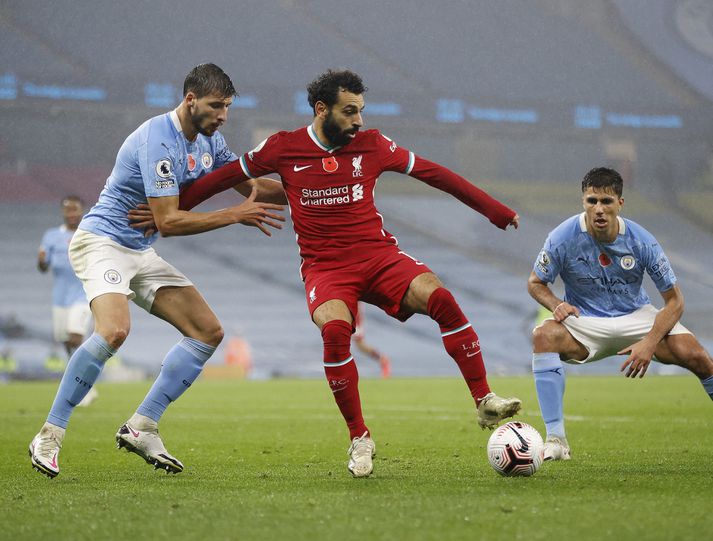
(336, 136)
(199, 123)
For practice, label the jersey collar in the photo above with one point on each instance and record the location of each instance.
(583, 224)
(176, 123)
(313, 135)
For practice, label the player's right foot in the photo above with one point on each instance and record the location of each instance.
(44, 450)
(139, 435)
(493, 409)
(556, 449)
(361, 454)
(385, 365)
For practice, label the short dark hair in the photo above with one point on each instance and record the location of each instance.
(326, 87)
(603, 177)
(72, 199)
(207, 79)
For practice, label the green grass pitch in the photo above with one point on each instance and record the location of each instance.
(267, 460)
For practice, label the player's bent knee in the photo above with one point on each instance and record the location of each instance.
(115, 337)
(700, 362)
(547, 337)
(337, 332)
(213, 336)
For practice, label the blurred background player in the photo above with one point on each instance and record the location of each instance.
(602, 259)
(329, 171)
(71, 315)
(363, 346)
(116, 263)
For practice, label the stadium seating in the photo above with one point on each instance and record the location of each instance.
(252, 283)
(542, 56)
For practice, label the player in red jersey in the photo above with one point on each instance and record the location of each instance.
(329, 171)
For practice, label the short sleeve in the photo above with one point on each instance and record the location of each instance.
(394, 157)
(158, 163)
(658, 267)
(548, 264)
(263, 159)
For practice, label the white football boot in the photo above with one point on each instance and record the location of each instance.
(361, 452)
(556, 449)
(140, 435)
(493, 409)
(44, 450)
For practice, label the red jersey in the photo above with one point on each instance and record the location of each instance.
(331, 189)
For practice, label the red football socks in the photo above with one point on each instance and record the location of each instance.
(460, 341)
(342, 375)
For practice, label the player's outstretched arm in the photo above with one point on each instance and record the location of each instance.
(641, 353)
(213, 183)
(541, 292)
(268, 190)
(447, 181)
(171, 221)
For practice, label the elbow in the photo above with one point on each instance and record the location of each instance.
(529, 288)
(676, 304)
(680, 307)
(532, 286)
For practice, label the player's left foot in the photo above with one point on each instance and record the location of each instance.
(139, 435)
(90, 397)
(44, 450)
(385, 365)
(361, 454)
(493, 409)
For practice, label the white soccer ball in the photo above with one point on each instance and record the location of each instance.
(515, 449)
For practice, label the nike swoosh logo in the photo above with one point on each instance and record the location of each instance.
(133, 432)
(54, 461)
(298, 169)
(472, 354)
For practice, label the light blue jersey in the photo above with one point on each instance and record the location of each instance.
(154, 161)
(66, 288)
(604, 280)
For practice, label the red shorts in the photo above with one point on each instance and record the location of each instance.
(381, 280)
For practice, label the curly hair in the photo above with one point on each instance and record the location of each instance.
(326, 87)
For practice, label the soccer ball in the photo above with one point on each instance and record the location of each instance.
(515, 449)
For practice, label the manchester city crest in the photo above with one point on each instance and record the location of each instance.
(627, 262)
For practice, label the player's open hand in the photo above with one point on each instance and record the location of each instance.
(141, 217)
(515, 222)
(563, 310)
(639, 359)
(259, 215)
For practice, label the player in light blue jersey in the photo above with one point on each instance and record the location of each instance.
(70, 309)
(116, 262)
(602, 258)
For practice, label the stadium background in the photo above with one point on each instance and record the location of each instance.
(521, 97)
